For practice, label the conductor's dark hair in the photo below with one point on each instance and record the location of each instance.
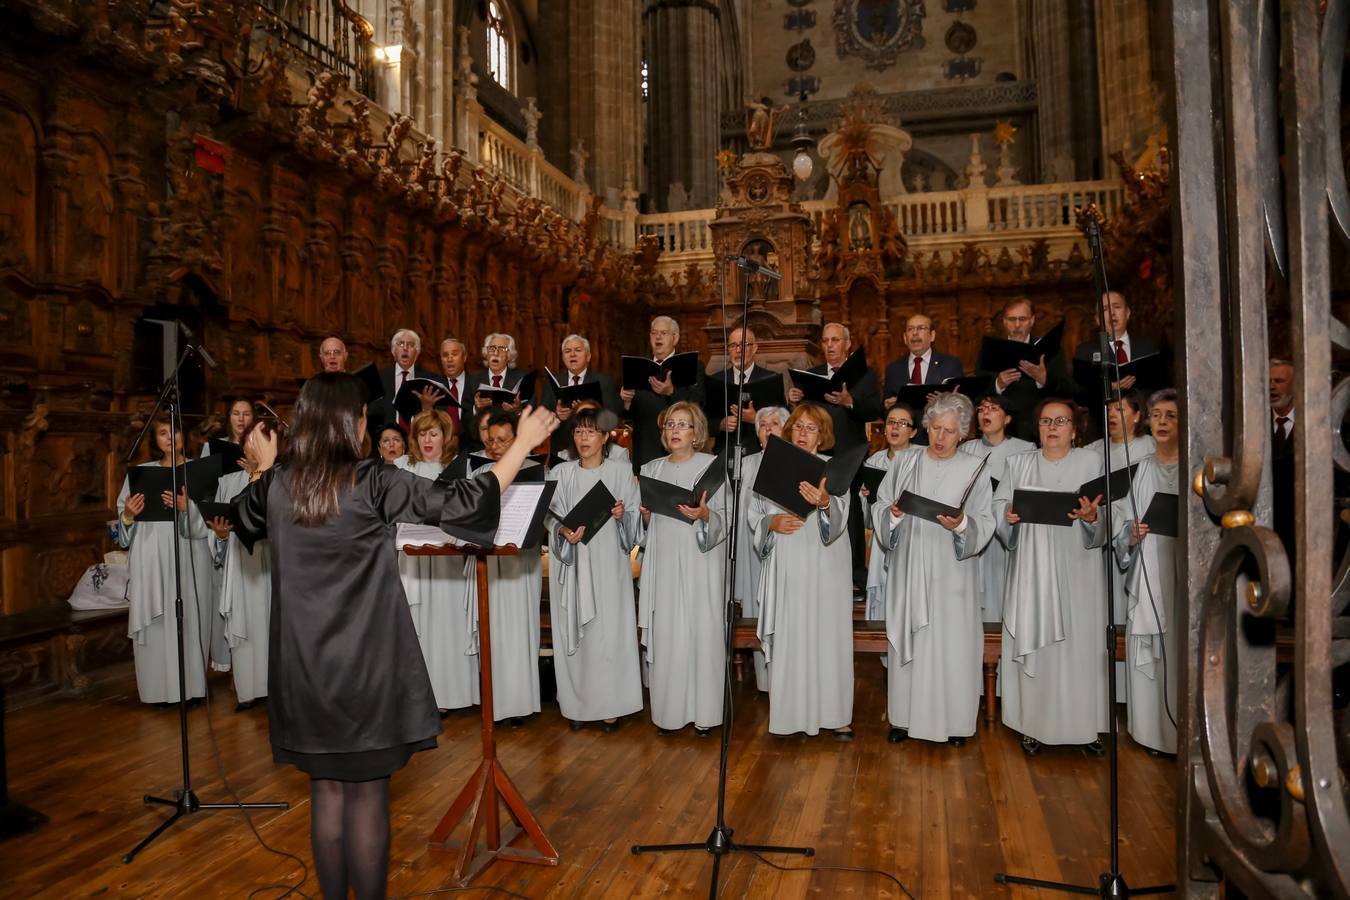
(326, 443)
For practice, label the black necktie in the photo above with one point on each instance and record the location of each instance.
(1280, 439)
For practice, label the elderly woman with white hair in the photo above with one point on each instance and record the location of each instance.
(768, 423)
(932, 595)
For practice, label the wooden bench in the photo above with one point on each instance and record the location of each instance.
(63, 633)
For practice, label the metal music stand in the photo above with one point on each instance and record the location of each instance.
(489, 784)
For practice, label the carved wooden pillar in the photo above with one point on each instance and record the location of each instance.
(58, 171)
(129, 199)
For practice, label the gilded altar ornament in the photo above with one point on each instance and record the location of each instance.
(760, 122)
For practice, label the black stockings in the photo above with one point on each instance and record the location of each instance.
(349, 835)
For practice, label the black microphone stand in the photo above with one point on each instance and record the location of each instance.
(1111, 883)
(719, 842)
(184, 801)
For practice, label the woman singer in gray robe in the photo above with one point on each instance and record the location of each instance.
(515, 589)
(1149, 562)
(901, 426)
(806, 597)
(1054, 614)
(594, 617)
(151, 620)
(437, 586)
(994, 444)
(680, 607)
(245, 592)
(935, 641)
(768, 423)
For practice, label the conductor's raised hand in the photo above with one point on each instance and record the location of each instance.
(261, 448)
(696, 513)
(816, 495)
(572, 536)
(617, 511)
(1138, 531)
(1087, 510)
(536, 424)
(785, 523)
(663, 388)
(134, 506)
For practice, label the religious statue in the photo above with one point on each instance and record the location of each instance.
(760, 116)
(579, 157)
(532, 115)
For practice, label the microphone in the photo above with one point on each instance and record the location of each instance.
(751, 266)
(197, 346)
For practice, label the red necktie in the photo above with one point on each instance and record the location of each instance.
(496, 381)
(576, 379)
(402, 419)
(454, 402)
(1121, 355)
(916, 377)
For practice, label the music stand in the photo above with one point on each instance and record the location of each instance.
(489, 783)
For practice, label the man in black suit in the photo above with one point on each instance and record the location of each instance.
(645, 404)
(1024, 387)
(405, 346)
(1282, 453)
(499, 358)
(923, 365)
(576, 357)
(850, 409)
(1114, 317)
(739, 370)
(332, 355)
(454, 360)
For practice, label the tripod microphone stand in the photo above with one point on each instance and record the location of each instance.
(184, 801)
(1111, 883)
(719, 841)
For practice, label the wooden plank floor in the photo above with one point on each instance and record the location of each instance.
(942, 819)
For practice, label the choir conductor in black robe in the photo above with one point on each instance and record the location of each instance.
(349, 696)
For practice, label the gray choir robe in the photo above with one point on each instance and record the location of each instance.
(1151, 631)
(591, 605)
(806, 617)
(151, 621)
(515, 588)
(245, 599)
(438, 597)
(876, 557)
(748, 563)
(221, 652)
(935, 641)
(1054, 612)
(994, 559)
(680, 608)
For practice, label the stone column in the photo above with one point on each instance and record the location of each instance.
(1085, 113)
(683, 102)
(1047, 44)
(605, 95)
(1125, 66)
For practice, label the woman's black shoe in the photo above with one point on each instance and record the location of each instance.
(575, 725)
(515, 721)
(1030, 746)
(897, 735)
(844, 737)
(664, 731)
(610, 727)
(956, 741)
(248, 704)
(1096, 748)
(702, 732)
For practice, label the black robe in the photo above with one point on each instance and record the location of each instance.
(346, 674)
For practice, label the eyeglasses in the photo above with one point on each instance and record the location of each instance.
(391, 441)
(585, 432)
(497, 441)
(903, 423)
(1165, 416)
(405, 345)
(805, 428)
(988, 408)
(497, 348)
(918, 329)
(1046, 421)
(335, 352)
(677, 425)
(1017, 319)
(656, 332)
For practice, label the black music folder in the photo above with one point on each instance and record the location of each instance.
(1037, 506)
(370, 377)
(1150, 372)
(663, 498)
(682, 368)
(785, 466)
(592, 511)
(1120, 484)
(815, 386)
(721, 392)
(409, 404)
(998, 354)
(199, 475)
(229, 452)
(871, 478)
(927, 508)
(567, 394)
(1163, 515)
